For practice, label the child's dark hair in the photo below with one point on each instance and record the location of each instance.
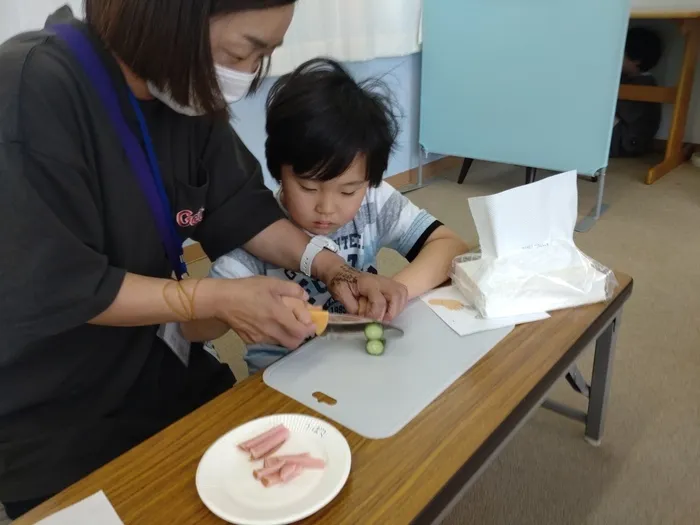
(644, 46)
(319, 120)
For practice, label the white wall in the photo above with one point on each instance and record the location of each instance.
(23, 15)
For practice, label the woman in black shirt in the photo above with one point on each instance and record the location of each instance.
(89, 365)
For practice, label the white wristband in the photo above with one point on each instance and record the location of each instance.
(316, 246)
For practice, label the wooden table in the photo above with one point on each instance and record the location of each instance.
(414, 477)
(679, 96)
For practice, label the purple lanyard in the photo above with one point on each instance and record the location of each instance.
(143, 163)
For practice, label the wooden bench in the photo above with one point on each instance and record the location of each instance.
(676, 152)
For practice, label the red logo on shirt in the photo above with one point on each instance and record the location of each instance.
(189, 219)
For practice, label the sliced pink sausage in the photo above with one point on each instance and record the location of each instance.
(287, 471)
(270, 445)
(270, 453)
(273, 460)
(291, 473)
(271, 480)
(297, 472)
(282, 473)
(301, 460)
(268, 471)
(247, 445)
(309, 462)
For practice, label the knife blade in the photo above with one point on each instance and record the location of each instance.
(345, 326)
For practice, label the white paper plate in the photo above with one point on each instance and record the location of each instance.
(226, 485)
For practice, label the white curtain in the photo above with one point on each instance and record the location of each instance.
(347, 30)
(350, 30)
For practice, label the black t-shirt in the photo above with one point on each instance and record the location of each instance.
(75, 221)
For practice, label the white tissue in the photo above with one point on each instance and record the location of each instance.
(528, 261)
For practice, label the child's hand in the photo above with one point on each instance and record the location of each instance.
(363, 304)
(384, 297)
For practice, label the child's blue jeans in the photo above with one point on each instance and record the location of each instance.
(259, 357)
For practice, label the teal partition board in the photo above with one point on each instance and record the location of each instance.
(524, 82)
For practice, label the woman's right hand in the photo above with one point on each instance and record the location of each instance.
(256, 310)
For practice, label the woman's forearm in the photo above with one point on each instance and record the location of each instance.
(283, 244)
(431, 267)
(145, 301)
(204, 330)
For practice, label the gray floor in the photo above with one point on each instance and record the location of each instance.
(647, 470)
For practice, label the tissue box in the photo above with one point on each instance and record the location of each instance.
(528, 260)
(537, 280)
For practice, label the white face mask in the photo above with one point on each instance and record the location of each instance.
(234, 86)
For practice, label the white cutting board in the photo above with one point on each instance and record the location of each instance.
(377, 396)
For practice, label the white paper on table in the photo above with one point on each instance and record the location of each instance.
(450, 305)
(90, 511)
(529, 262)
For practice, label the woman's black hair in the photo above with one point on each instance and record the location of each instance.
(644, 46)
(319, 119)
(168, 42)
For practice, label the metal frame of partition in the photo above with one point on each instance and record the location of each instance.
(584, 225)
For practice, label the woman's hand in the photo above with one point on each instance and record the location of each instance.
(372, 295)
(257, 310)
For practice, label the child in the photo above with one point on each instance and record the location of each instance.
(636, 123)
(329, 143)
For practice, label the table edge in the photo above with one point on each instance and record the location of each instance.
(490, 446)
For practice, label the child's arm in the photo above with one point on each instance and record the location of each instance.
(429, 246)
(431, 267)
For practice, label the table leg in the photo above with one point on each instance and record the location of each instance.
(436, 511)
(589, 220)
(530, 175)
(600, 382)
(675, 154)
(575, 378)
(420, 183)
(466, 165)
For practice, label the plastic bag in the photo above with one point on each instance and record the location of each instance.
(542, 278)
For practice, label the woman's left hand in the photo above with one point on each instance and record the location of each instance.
(385, 297)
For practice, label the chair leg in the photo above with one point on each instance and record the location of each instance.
(465, 170)
(530, 175)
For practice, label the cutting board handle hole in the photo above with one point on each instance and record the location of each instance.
(323, 398)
